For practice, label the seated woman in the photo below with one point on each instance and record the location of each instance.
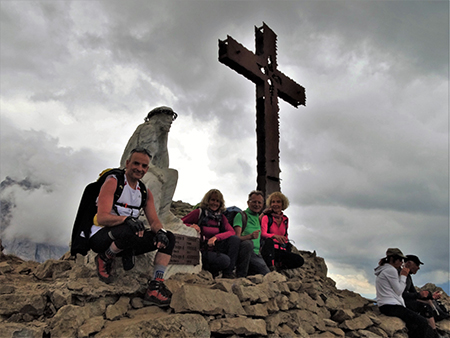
(276, 250)
(219, 245)
(389, 287)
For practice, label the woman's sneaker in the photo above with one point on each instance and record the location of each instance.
(157, 294)
(104, 268)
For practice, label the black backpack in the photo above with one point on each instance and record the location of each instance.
(201, 217)
(231, 212)
(88, 209)
(441, 312)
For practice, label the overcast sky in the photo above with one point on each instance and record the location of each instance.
(365, 164)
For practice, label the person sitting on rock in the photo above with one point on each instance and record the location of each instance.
(219, 245)
(251, 237)
(420, 302)
(276, 250)
(389, 288)
(117, 229)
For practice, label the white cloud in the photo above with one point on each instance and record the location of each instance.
(355, 282)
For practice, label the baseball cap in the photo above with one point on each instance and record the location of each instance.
(395, 252)
(414, 259)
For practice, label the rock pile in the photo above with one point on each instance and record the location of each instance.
(64, 298)
(180, 208)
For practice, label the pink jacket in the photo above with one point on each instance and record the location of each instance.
(275, 229)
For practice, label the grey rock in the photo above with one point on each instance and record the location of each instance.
(206, 301)
(74, 303)
(91, 326)
(32, 302)
(342, 315)
(52, 267)
(241, 326)
(29, 330)
(157, 324)
(118, 309)
(358, 323)
(391, 325)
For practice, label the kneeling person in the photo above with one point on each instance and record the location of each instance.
(117, 231)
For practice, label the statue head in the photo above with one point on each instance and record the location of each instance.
(161, 110)
(165, 118)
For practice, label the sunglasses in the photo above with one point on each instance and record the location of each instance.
(141, 150)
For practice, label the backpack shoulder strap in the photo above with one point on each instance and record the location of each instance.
(286, 234)
(144, 193)
(270, 222)
(120, 185)
(120, 176)
(201, 216)
(244, 220)
(222, 223)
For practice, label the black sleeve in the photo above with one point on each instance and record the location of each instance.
(410, 292)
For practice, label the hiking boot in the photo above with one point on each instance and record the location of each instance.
(229, 275)
(128, 260)
(104, 268)
(157, 294)
(279, 266)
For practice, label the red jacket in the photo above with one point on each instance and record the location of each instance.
(213, 230)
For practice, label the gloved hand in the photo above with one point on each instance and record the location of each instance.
(135, 224)
(161, 237)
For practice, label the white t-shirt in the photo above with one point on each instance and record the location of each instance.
(130, 196)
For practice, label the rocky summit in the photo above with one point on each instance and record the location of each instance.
(65, 298)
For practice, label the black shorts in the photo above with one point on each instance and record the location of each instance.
(125, 239)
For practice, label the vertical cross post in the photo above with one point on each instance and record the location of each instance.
(261, 68)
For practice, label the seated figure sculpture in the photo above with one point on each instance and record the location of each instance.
(161, 180)
(152, 135)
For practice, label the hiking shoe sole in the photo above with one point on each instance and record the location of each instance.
(156, 302)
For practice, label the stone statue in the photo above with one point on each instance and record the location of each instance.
(153, 135)
(160, 179)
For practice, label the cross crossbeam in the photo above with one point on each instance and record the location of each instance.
(261, 68)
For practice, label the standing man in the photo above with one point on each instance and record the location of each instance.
(419, 302)
(117, 231)
(250, 236)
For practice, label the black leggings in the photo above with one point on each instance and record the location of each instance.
(285, 258)
(417, 325)
(126, 240)
(221, 257)
(424, 309)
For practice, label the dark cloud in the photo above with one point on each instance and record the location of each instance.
(365, 163)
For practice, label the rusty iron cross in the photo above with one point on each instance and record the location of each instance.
(261, 68)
